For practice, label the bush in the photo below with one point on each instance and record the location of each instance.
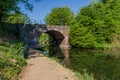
(11, 61)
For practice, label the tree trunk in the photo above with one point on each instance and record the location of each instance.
(0, 21)
(0, 18)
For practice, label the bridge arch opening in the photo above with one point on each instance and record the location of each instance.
(57, 37)
(51, 37)
(50, 41)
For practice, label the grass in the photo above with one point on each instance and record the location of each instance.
(84, 76)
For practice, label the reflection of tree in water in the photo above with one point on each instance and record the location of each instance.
(103, 66)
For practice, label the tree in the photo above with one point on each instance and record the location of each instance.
(60, 16)
(100, 21)
(6, 6)
(80, 37)
(17, 18)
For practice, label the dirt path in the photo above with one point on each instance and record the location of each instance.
(43, 68)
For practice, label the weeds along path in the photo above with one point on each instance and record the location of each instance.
(43, 68)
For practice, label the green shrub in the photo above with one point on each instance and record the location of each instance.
(85, 76)
(11, 61)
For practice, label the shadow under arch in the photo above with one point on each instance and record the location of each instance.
(57, 36)
(52, 44)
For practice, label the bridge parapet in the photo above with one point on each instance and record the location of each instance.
(57, 27)
(63, 29)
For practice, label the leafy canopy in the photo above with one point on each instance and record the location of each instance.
(60, 16)
(17, 18)
(98, 23)
(6, 6)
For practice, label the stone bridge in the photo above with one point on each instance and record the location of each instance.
(32, 32)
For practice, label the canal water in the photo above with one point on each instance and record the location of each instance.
(104, 65)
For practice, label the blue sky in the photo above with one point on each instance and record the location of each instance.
(42, 8)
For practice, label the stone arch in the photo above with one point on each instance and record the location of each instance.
(57, 36)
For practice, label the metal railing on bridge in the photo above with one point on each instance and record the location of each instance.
(31, 21)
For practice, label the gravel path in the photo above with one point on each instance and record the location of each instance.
(43, 68)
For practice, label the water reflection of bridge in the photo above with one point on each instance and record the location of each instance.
(66, 60)
(60, 53)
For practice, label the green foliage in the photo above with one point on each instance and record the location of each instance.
(11, 61)
(17, 18)
(14, 19)
(12, 5)
(97, 22)
(60, 16)
(85, 39)
(84, 76)
(45, 41)
(9, 6)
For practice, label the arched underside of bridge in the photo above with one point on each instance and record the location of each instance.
(57, 36)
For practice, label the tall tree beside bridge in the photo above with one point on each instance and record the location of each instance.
(60, 16)
(96, 25)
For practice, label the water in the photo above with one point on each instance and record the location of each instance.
(104, 65)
